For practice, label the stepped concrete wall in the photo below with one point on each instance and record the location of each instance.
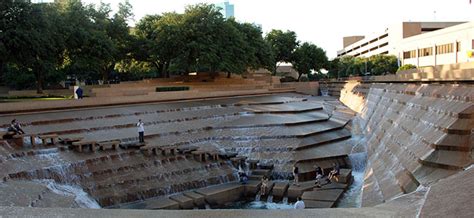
(416, 134)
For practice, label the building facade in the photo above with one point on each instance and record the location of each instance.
(226, 9)
(417, 43)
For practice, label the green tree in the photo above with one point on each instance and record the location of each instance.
(201, 27)
(283, 44)
(258, 51)
(309, 57)
(383, 64)
(161, 40)
(406, 67)
(233, 52)
(96, 41)
(333, 68)
(33, 38)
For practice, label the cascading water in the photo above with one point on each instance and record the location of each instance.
(270, 199)
(358, 159)
(258, 195)
(352, 197)
(258, 205)
(80, 197)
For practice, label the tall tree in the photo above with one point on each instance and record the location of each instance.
(33, 38)
(258, 51)
(309, 57)
(161, 40)
(201, 24)
(283, 44)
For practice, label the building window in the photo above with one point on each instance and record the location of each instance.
(458, 46)
(409, 54)
(444, 49)
(422, 52)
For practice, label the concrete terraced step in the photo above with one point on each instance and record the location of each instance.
(184, 201)
(221, 194)
(124, 179)
(451, 160)
(323, 195)
(198, 199)
(251, 187)
(151, 203)
(306, 131)
(452, 142)
(149, 190)
(295, 191)
(327, 137)
(280, 189)
(310, 204)
(332, 185)
(256, 177)
(262, 172)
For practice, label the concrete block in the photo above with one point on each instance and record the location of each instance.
(184, 201)
(323, 195)
(221, 194)
(279, 190)
(198, 199)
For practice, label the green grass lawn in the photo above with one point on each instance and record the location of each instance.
(25, 98)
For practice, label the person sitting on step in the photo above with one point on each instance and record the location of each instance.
(16, 128)
(334, 173)
(319, 175)
(243, 176)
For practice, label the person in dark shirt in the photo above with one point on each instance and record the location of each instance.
(334, 173)
(79, 93)
(319, 175)
(295, 174)
(15, 127)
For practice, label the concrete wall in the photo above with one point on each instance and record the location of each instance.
(309, 88)
(416, 134)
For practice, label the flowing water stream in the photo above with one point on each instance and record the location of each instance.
(358, 159)
(80, 197)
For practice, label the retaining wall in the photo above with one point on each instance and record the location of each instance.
(416, 133)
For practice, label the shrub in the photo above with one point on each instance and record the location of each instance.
(287, 79)
(172, 88)
(406, 67)
(304, 79)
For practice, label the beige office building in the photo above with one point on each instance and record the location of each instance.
(417, 43)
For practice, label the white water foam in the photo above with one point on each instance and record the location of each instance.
(80, 196)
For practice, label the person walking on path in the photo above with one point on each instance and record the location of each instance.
(141, 131)
(79, 93)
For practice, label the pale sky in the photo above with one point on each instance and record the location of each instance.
(323, 23)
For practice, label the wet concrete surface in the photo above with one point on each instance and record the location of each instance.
(267, 128)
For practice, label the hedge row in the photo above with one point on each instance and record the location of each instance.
(172, 88)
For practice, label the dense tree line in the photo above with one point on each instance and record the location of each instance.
(42, 44)
(360, 66)
(46, 42)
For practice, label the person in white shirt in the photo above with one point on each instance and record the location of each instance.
(141, 131)
(299, 204)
